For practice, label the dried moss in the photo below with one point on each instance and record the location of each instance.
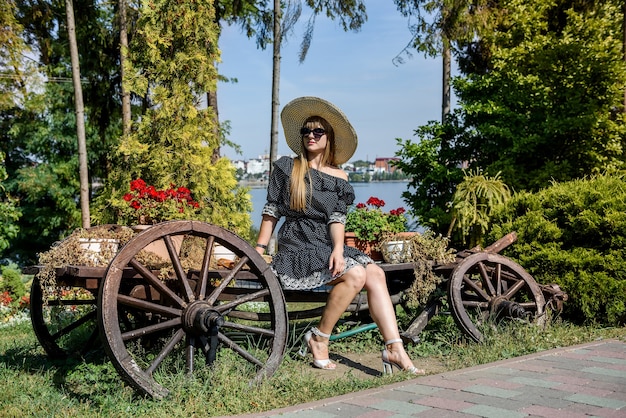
(424, 251)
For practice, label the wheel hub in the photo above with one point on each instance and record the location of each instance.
(504, 307)
(200, 317)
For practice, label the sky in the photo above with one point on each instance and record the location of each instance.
(353, 70)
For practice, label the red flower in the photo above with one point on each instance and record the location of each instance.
(376, 202)
(148, 204)
(397, 212)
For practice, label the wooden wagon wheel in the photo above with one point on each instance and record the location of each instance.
(154, 327)
(487, 285)
(64, 319)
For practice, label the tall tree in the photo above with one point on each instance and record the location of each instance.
(80, 115)
(38, 135)
(437, 27)
(351, 14)
(538, 105)
(171, 66)
(14, 82)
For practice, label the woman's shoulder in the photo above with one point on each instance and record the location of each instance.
(336, 172)
(285, 163)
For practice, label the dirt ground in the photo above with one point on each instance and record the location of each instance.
(368, 365)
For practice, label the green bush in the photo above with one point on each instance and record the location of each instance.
(11, 282)
(573, 234)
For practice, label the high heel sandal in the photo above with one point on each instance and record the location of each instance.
(388, 364)
(325, 364)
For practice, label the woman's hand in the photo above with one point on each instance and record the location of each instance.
(337, 263)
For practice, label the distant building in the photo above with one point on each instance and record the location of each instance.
(384, 164)
(258, 166)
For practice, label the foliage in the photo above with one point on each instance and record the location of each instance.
(574, 234)
(37, 129)
(9, 212)
(540, 99)
(146, 205)
(434, 22)
(545, 107)
(433, 173)
(369, 222)
(11, 283)
(171, 65)
(473, 202)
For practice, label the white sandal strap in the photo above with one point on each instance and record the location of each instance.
(319, 333)
(397, 340)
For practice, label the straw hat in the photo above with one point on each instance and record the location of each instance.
(299, 110)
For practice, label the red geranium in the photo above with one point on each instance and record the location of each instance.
(149, 205)
(369, 222)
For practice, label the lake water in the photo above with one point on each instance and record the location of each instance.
(389, 191)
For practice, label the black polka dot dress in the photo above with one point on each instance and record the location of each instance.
(304, 242)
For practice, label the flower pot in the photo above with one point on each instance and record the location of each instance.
(397, 248)
(219, 251)
(397, 252)
(99, 250)
(366, 247)
(158, 247)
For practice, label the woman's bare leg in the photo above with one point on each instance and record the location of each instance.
(343, 292)
(384, 314)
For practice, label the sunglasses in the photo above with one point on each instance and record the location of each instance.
(317, 132)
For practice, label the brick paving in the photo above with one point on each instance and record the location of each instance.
(571, 382)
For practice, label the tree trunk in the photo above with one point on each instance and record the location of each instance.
(126, 112)
(211, 101)
(80, 115)
(275, 84)
(447, 63)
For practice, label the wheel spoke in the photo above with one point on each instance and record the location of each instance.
(227, 280)
(486, 280)
(71, 327)
(475, 304)
(148, 306)
(498, 275)
(161, 326)
(190, 350)
(204, 271)
(239, 350)
(469, 282)
(154, 281)
(178, 268)
(255, 330)
(242, 299)
(513, 289)
(166, 350)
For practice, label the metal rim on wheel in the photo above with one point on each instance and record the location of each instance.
(487, 285)
(156, 326)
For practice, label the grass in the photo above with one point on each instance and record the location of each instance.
(33, 385)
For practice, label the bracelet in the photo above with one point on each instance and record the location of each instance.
(261, 246)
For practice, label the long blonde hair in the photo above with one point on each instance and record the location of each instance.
(300, 194)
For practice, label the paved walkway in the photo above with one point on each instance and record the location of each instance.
(579, 381)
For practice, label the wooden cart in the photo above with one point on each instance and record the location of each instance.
(153, 326)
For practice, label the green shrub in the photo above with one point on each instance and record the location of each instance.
(574, 234)
(11, 282)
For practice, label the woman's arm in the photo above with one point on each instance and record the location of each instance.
(336, 264)
(268, 223)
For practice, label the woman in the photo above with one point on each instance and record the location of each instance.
(313, 194)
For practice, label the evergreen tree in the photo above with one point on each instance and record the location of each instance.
(170, 67)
